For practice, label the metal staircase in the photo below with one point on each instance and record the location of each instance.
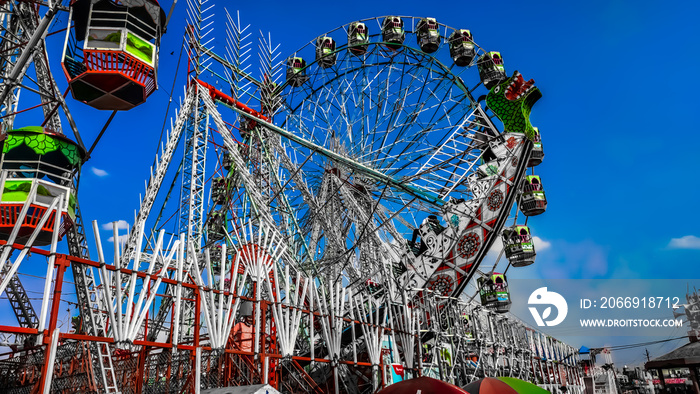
(91, 308)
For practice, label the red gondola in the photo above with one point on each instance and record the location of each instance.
(110, 57)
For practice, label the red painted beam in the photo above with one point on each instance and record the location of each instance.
(220, 96)
(82, 337)
(32, 249)
(19, 330)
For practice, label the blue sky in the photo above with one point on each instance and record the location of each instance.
(618, 121)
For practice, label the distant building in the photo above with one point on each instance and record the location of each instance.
(677, 371)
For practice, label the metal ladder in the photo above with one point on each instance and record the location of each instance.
(90, 303)
(109, 378)
(24, 311)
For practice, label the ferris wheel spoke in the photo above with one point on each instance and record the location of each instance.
(397, 103)
(416, 139)
(392, 124)
(454, 154)
(359, 211)
(328, 154)
(362, 224)
(283, 207)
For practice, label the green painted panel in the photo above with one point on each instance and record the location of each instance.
(41, 143)
(18, 190)
(140, 48)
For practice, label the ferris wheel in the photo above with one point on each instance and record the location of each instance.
(387, 168)
(361, 184)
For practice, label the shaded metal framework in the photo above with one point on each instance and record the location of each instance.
(490, 344)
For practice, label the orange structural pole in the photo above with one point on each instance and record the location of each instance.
(61, 264)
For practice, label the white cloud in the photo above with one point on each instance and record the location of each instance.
(685, 242)
(541, 244)
(121, 225)
(122, 239)
(98, 172)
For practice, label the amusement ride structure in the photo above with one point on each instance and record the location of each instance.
(319, 226)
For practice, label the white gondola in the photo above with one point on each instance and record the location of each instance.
(519, 246)
(533, 201)
(462, 49)
(491, 69)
